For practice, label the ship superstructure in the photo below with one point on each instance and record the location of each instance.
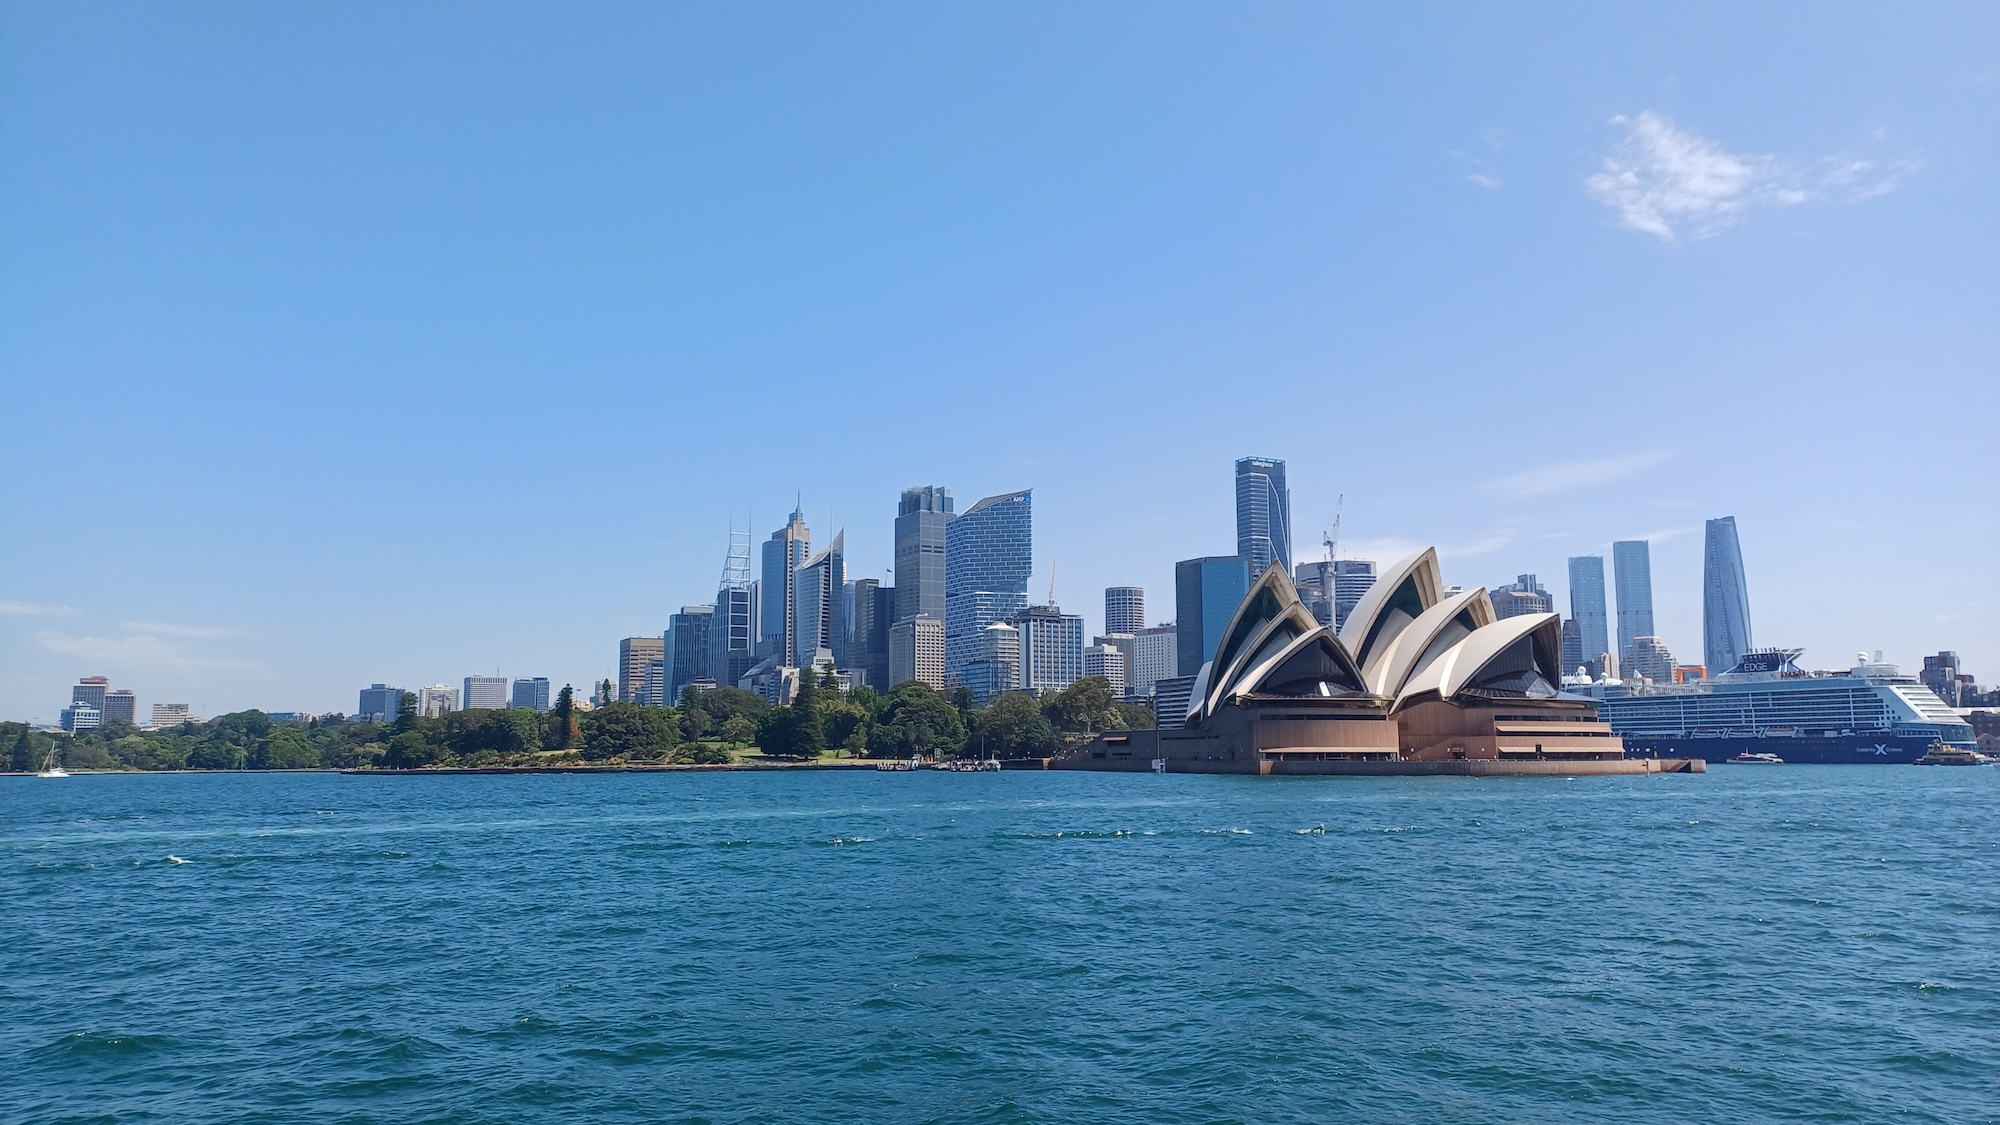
(1766, 704)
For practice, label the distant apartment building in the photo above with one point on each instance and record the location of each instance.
(1263, 514)
(1314, 582)
(1107, 661)
(486, 693)
(1523, 595)
(1051, 648)
(922, 514)
(437, 701)
(380, 703)
(989, 554)
(996, 669)
(531, 693)
(1942, 676)
(1572, 646)
(917, 652)
(1351, 580)
(1154, 658)
(1206, 594)
(122, 705)
(1171, 697)
(171, 714)
(81, 716)
(634, 653)
(653, 692)
(1127, 645)
(1648, 657)
(1124, 609)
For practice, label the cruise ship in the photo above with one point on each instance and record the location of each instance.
(1767, 705)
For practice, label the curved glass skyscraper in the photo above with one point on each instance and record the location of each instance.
(1725, 598)
(989, 552)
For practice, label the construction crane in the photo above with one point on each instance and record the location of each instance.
(1332, 535)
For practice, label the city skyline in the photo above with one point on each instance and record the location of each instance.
(320, 280)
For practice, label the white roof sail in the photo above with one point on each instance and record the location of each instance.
(1398, 597)
(1425, 639)
(1462, 665)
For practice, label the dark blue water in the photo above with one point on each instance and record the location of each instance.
(1757, 944)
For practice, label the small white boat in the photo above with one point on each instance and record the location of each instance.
(51, 767)
(1748, 759)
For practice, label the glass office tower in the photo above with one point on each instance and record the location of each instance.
(921, 517)
(1263, 514)
(1206, 594)
(989, 554)
(1725, 598)
(1632, 572)
(1587, 607)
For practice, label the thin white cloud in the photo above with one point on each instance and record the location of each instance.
(1571, 476)
(188, 632)
(1672, 183)
(33, 609)
(137, 651)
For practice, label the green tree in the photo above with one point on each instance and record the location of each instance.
(796, 731)
(1136, 716)
(627, 730)
(21, 759)
(917, 719)
(1084, 707)
(739, 731)
(1013, 726)
(562, 732)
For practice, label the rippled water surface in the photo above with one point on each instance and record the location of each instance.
(1757, 944)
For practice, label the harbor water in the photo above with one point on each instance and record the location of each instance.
(1755, 944)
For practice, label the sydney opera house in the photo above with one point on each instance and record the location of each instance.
(1419, 680)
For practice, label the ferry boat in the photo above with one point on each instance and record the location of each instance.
(1942, 755)
(1871, 713)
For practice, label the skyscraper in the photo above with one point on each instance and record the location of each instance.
(690, 648)
(732, 632)
(634, 653)
(1051, 648)
(1314, 580)
(531, 692)
(868, 638)
(1649, 658)
(1206, 594)
(989, 554)
(121, 704)
(819, 623)
(1588, 609)
(486, 693)
(1263, 514)
(1725, 598)
(1572, 646)
(784, 553)
(1124, 609)
(1632, 574)
(921, 517)
(437, 701)
(90, 691)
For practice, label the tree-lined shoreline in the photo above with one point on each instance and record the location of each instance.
(718, 728)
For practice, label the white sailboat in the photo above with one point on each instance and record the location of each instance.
(51, 767)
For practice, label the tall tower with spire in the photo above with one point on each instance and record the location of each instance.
(778, 596)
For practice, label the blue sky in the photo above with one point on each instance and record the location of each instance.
(358, 342)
